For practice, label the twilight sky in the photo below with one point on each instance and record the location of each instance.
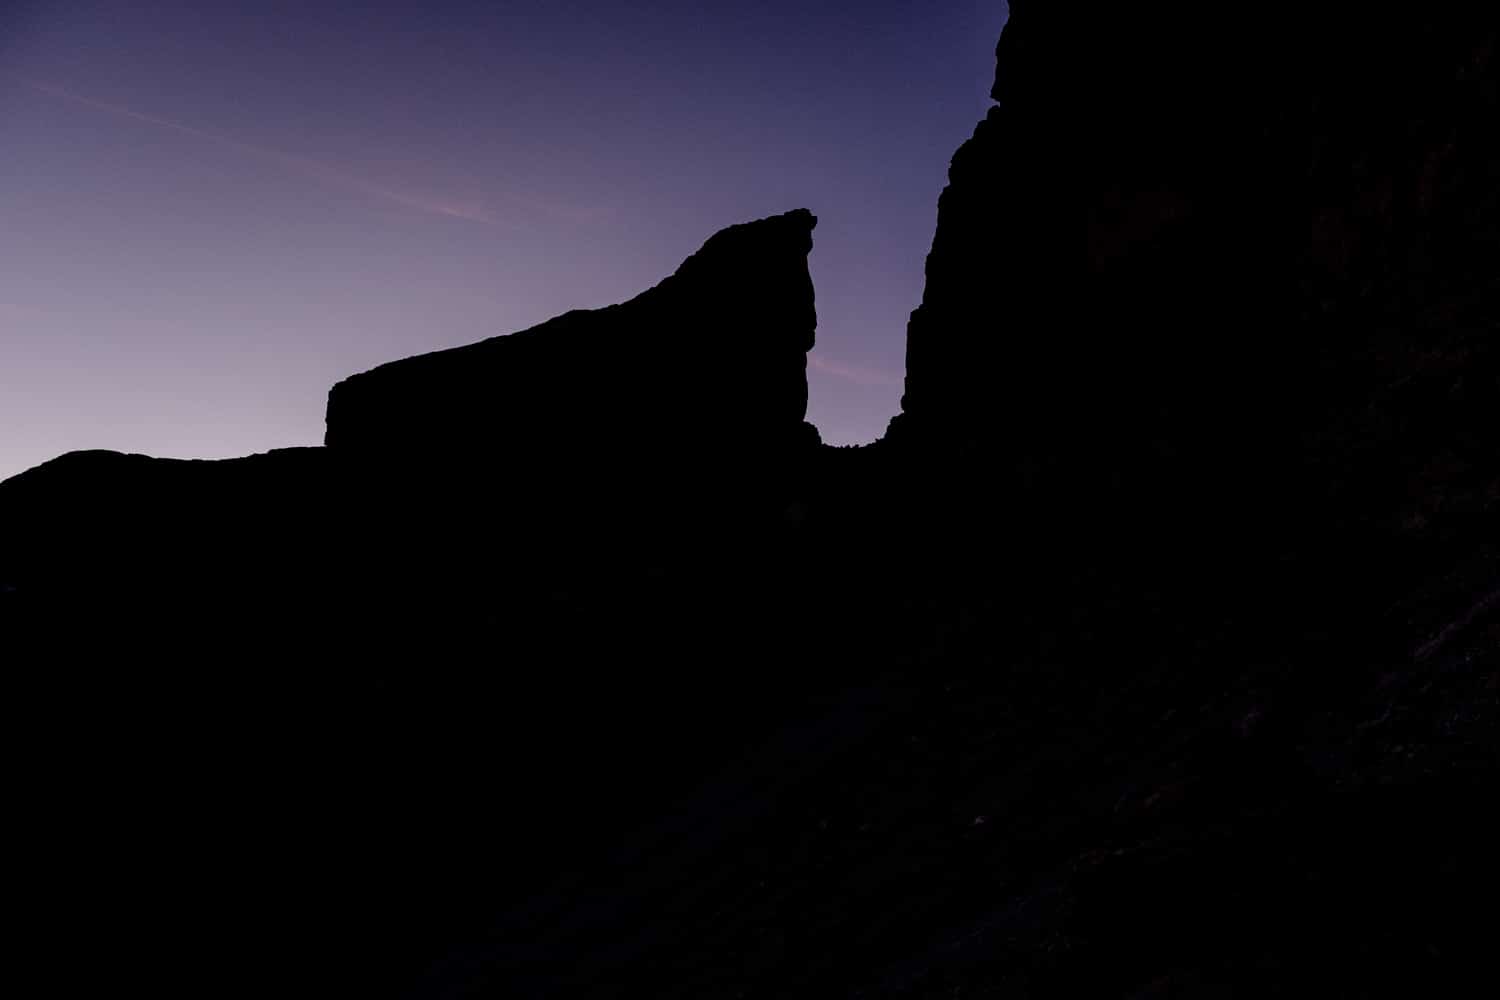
(212, 211)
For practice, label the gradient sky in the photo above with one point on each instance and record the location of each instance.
(210, 212)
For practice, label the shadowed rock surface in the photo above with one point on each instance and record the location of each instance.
(714, 357)
(1185, 256)
(1155, 651)
(341, 702)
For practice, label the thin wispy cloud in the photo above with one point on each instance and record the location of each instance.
(859, 374)
(303, 165)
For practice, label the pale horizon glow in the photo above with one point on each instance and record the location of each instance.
(212, 212)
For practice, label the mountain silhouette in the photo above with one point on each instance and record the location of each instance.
(713, 357)
(1152, 652)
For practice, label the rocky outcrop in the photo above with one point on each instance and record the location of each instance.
(112, 524)
(1155, 652)
(997, 321)
(1248, 263)
(417, 698)
(713, 357)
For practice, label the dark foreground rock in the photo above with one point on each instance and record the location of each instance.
(1155, 651)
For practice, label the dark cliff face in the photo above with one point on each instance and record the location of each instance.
(397, 700)
(713, 356)
(998, 292)
(1155, 652)
(1245, 263)
(1206, 375)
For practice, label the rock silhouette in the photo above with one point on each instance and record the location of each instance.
(1153, 652)
(714, 356)
(1288, 236)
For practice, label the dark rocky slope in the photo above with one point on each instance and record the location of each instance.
(1154, 652)
(295, 723)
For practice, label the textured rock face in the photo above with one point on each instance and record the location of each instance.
(1202, 297)
(1258, 250)
(997, 295)
(714, 355)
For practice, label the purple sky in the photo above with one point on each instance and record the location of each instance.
(211, 211)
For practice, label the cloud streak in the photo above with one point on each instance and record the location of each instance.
(858, 374)
(471, 212)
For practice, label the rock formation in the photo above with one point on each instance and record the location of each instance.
(419, 698)
(712, 358)
(1154, 652)
(1184, 255)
